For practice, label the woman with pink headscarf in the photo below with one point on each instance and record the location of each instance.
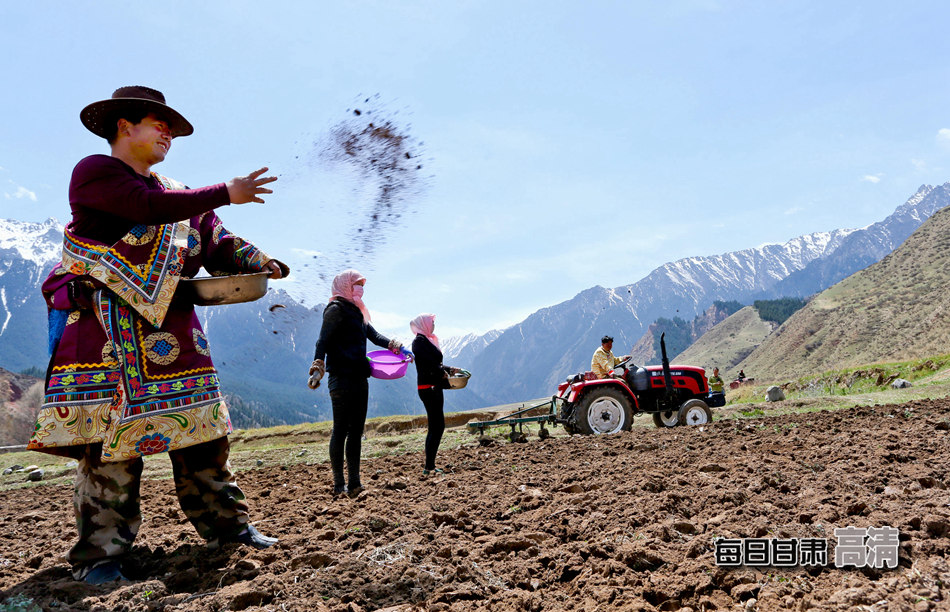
(432, 377)
(346, 328)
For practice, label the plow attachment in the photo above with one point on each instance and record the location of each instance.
(543, 414)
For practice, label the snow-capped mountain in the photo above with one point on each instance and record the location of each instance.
(39, 243)
(27, 253)
(863, 248)
(528, 359)
(464, 348)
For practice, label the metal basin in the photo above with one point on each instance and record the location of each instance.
(215, 290)
(458, 381)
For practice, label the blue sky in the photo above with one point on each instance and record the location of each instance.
(569, 144)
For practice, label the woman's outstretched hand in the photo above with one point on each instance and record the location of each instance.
(244, 189)
(274, 268)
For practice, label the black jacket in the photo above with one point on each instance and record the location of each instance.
(428, 359)
(343, 338)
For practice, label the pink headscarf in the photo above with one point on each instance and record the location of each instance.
(425, 324)
(342, 287)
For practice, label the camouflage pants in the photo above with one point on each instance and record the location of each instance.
(106, 500)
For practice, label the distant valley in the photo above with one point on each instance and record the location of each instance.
(528, 359)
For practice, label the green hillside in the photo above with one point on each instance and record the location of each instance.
(897, 309)
(728, 343)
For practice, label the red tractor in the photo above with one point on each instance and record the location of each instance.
(674, 395)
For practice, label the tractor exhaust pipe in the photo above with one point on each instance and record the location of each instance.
(667, 377)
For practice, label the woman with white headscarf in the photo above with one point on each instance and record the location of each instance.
(431, 379)
(346, 328)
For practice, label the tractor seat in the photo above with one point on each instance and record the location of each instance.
(580, 376)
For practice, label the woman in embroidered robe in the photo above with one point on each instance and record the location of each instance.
(130, 372)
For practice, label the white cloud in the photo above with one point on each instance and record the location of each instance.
(307, 252)
(943, 135)
(919, 164)
(515, 276)
(20, 193)
(872, 178)
(794, 210)
(391, 323)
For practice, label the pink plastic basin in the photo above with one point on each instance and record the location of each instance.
(387, 366)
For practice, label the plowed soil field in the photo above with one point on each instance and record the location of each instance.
(625, 522)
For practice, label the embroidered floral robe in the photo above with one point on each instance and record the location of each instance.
(132, 368)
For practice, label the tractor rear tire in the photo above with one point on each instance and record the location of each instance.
(604, 411)
(695, 412)
(668, 418)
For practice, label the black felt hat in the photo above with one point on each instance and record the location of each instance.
(97, 116)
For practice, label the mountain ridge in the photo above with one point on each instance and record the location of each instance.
(529, 358)
(521, 362)
(865, 247)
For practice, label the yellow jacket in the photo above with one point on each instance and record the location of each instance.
(602, 362)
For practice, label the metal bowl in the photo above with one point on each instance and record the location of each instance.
(215, 290)
(458, 381)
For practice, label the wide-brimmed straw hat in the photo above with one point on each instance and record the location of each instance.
(98, 115)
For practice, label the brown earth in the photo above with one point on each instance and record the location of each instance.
(20, 397)
(570, 523)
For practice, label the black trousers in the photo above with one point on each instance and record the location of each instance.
(349, 396)
(433, 400)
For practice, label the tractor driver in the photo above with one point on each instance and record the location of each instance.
(603, 360)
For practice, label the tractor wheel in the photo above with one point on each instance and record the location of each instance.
(667, 418)
(695, 412)
(604, 411)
